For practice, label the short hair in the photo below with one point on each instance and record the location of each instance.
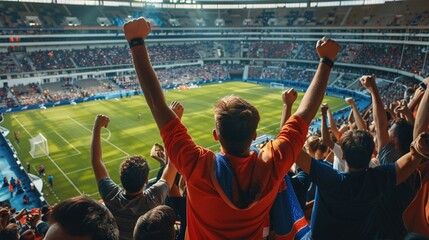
(313, 143)
(134, 172)
(236, 122)
(403, 131)
(83, 216)
(10, 232)
(157, 223)
(358, 147)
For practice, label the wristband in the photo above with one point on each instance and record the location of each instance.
(327, 61)
(136, 42)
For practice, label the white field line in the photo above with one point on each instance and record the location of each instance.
(47, 184)
(154, 170)
(68, 156)
(86, 168)
(53, 162)
(89, 130)
(17, 145)
(110, 134)
(65, 140)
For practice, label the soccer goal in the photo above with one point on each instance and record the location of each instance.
(277, 85)
(39, 146)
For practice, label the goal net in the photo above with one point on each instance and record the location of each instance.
(39, 146)
(277, 85)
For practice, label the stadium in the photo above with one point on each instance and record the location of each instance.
(63, 62)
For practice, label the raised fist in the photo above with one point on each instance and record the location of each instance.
(177, 108)
(402, 107)
(324, 108)
(350, 100)
(137, 28)
(327, 48)
(101, 121)
(289, 96)
(368, 82)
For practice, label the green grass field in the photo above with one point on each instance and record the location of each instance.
(69, 128)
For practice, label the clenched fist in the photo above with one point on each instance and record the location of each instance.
(289, 96)
(327, 48)
(137, 28)
(368, 82)
(324, 108)
(350, 101)
(101, 121)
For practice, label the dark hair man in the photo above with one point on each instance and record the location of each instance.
(127, 204)
(81, 218)
(157, 223)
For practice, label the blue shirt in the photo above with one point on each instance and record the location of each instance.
(344, 201)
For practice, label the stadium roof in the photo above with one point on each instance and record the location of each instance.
(217, 4)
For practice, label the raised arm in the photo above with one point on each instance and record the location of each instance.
(304, 161)
(135, 33)
(379, 113)
(350, 120)
(327, 51)
(356, 114)
(333, 124)
(417, 97)
(422, 117)
(100, 170)
(405, 111)
(408, 163)
(170, 170)
(326, 138)
(289, 97)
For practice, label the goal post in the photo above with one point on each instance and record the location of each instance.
(277, 85)
(39, 146)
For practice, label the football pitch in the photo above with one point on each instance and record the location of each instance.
(68, 130)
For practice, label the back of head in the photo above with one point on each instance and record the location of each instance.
(358, 147)
(402, 131)
(157, 223)
(134, 172)
(312, 143)
(236, 122)
(84, 217)
(10, 232)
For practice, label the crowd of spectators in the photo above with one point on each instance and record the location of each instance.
(371, 174)
(282, 50)
(411, 60)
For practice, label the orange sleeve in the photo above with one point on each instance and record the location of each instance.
(181, 149)
(285, 149)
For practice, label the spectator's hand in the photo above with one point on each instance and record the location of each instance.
(21, 214)
(157, 152)
(350, 101)
(289, 96)
(137, 28)
(101, 121)
(324, 108)
(368, 82)
(177, 109)
(420, 146)
(327, 48)
(418, 94)
(403, 107)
